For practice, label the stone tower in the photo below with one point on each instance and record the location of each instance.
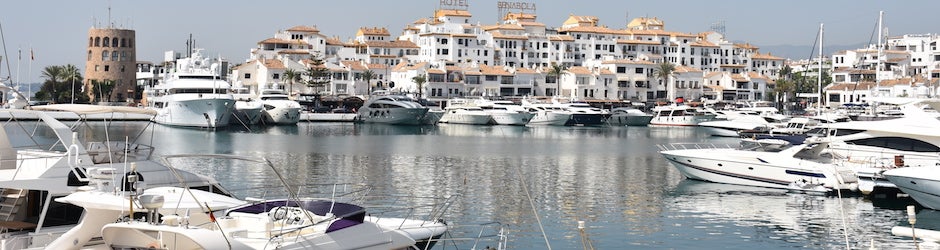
(112, 59)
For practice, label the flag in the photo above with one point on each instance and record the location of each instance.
(19, 55)
(32, 57)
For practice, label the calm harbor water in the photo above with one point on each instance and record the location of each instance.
(610, 177)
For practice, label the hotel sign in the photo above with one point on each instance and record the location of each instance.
(456, 3)
(515, 5)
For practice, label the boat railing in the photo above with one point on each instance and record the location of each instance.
(694, 145)
(487, 235)
(111, 152)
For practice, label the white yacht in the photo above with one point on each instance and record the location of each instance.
(774, 165)
(678, 115)
(921, 183)
(392, 109)
(279, 109)
(465, 111)
(195, 219)
(247, 107)
(193, 95)
(505, 112)
(626, 116)
(732, 127)
(32, 177)
(583, 114)
(546, 114)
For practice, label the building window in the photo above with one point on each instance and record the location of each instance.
(247, 76)
(106, 42)
(123, 55)
(490, 78)
(91, 41)
(276, 76)
(639, 70)
(89, 55)
(114, 55)
(621, 70)
(130, 43)
(104, 55)
(97, 41)
(107, 67)
(122, 68)
(97, 67)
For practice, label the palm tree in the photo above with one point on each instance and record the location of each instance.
(70, 74)
(663, 71)
(556, 71)
(367, 76)
(52, 74)
(419, 81)
(291, 75)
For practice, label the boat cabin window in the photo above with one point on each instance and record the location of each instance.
(841, 132)
(198, 91)
(274, 98)
(206, 77)
(897, 143)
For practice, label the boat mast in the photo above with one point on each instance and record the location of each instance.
(879, 65)
(819, 75)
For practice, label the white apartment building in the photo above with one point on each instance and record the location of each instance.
(512, 58)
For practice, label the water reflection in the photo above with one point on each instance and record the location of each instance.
(611, 177)
(781, 218)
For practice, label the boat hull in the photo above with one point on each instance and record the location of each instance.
(398, 116)
(515, 119)
(735, 170)
(205, 112)
(282, 116)
(921, 183)
(586, 120)
(247, 113)
(629, 120)
(466, 118)
(679, 120)
(550, 118)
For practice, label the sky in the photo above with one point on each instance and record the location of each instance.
(57, 30)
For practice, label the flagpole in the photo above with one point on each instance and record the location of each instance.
(29, 86)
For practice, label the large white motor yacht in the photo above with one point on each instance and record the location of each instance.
(505, 112)
(465, 111)
(546, 113)
(626, 116)
(732, 127)
(773, 165)
(583, 114)
(193, 95)
(392, 109)
(678, 115)
(279, 109)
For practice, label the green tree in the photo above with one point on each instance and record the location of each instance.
(102, 90)
(53, 75)
(555, 71)
(317, 74)
(71, 76)
(292, 76)
(367, 77)
(419, 80)
(663, 72)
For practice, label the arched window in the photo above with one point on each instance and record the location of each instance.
(123, 56)
(106, 42)
(91, 41)
(89, 55)
(97, 41)
(123, 42)
(114, 55)
(104, 55)
(130, 43)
